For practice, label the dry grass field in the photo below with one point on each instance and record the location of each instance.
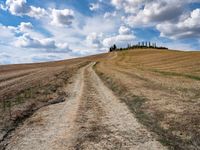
(26, 88)
(158, 93)
(162, 88)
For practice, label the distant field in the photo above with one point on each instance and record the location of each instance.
(160, 87)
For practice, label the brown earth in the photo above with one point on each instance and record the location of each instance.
(139, 99)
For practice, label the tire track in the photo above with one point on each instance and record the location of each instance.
(91, 118)
(89, 129)
(105, 123)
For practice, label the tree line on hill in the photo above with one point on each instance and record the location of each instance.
(142, 45)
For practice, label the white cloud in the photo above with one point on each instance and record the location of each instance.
(125, 36)
(85, 36)
(94, 40)
(94, 6)
(3, 7)
(99, 24)
(185, 28)
(129, 6)
(123, 30)
(138, 13)
(27, 41)
(17, 7)
(37, 12)
(63, 46)
(24, 26)
(47, 44)
(30, 39)
(110, 14)
(154, 12)
(20, 8)
(62, 17)
(7, 35)
(120, 40)
(117, 3)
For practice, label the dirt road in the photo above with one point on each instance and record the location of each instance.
(92, 117)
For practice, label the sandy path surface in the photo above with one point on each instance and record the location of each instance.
(92, 117)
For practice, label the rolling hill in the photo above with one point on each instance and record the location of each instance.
(134, 99)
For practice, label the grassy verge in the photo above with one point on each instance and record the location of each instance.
(136, 105)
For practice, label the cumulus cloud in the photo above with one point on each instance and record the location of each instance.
(48, 44)
(185, 28)
(123, 30)
(36, 12)
(94, 40)
(20, 8)
(24, 26)
(154, 12)
(62, 17)
(24, 36)
(150, 12)
(120, 40)
(86, 35)
(17, 7)
(125, 36)
(169, 17)
(129, 6)
(27, 41)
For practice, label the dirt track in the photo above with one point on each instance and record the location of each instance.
(92, 117)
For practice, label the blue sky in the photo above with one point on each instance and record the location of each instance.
(48, 30)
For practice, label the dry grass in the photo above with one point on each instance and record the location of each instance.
(26, 88)
(161, 88)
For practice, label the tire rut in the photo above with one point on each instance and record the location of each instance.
(105, 123)
(89, 127)
(91, 118)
